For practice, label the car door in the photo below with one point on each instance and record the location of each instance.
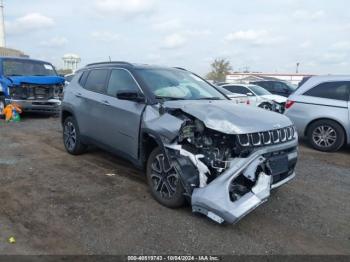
(88, 102)
(122, 118)
(328, 100)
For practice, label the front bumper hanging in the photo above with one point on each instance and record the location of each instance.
(213, 200)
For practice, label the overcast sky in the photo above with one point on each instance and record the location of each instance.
(268, 36)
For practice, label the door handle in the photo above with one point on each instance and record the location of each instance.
(105, 102)
(79, 95)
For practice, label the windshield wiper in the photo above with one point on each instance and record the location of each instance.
(169, 98)
(13, 75)
(210, 98)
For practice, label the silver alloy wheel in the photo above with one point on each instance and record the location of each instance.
(70, 136)
(165, 180)
(324, 136)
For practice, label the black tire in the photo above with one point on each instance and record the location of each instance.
(71, 137)
(2, 106)
(266, 106)
(326, 136)
(169, 192)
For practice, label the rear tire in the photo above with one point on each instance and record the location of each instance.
(72, 138)
(326, 136)
(164, 183)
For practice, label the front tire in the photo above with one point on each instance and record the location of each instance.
(266, 106)
(326, 136)
(71, 137)
(164, 182)
(2, 106)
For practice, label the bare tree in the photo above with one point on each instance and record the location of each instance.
(219, 69)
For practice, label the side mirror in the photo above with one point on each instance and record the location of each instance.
(250, 94)
(134, 96)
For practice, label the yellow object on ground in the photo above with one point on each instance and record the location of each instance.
(12, 240)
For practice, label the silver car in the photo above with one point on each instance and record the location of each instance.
(320, 111)
(192, 142)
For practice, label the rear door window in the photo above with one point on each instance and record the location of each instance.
(238, 89)
(331, 90)
(121, 80)
(96, 80)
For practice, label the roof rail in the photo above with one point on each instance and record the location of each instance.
(180, 68)
(110, 62)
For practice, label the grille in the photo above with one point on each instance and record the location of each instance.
(273, 137)
(37, 92)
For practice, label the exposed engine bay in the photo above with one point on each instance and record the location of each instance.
(36, 92)
(225, 175)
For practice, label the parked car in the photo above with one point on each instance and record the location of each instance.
(68, 78)
(258, 96)
(192, 141)
(320, 111)
(32, 84)
(281, 88)
(237, 98)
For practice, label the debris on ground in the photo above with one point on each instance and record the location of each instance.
(12, 113)
(12, 240)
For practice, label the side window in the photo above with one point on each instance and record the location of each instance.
(269, 87)
(83, 78)
(121, 80)
(331, 90)
(237, 89)
(96, 81)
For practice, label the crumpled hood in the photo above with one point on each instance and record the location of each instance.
(229, 118)
(276, 98)
(39, 80)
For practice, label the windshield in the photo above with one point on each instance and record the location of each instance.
(175, 84)
(259, 91)
(291, 86)
(27, 68)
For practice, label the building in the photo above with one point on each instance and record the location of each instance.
(11, 52)
(71, 61)
(250, 77)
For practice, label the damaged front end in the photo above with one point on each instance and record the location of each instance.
(226, 176)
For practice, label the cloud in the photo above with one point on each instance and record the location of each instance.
(29, 22)
(105, 36)
(306, 44)
(254, 37)
(342, 45)
(125, 7)
(308, 15)
(174, 41)
(54, 42)
(172, 24)
(333, 58)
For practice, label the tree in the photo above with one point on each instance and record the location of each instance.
(219, 69)
(64, 72)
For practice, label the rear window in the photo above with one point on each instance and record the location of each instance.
(331, 90)
(96, 81)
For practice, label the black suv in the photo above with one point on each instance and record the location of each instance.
(276, 87)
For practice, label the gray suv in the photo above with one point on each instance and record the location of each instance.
(320, 111)
(192, 142)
